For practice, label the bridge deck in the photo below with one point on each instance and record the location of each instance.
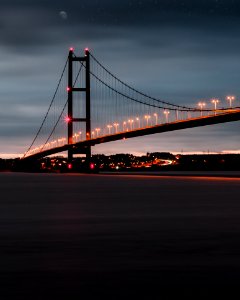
(227, 116)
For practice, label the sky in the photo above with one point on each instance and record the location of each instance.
(189, 51)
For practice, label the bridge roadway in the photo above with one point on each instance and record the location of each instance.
(220, 117)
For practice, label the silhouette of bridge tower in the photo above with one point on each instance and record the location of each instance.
(71, 91)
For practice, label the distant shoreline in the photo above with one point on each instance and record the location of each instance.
(226, 174)
(157, 163)
(187, 174)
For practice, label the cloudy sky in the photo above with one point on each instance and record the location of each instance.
(189, 51)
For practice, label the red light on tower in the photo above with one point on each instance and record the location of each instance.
(67, 119)
(86, 51)
(68, 89)
(71, 49)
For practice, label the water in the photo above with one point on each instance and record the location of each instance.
(68, 236)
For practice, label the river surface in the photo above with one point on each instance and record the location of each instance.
(73, 236)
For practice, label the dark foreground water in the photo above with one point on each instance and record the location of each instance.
(128, 237)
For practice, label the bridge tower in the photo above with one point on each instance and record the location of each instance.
(85, 61)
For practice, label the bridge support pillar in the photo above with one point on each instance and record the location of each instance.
(85, 61)
(88, 107)
(70, 103)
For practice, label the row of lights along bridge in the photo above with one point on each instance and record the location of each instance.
(133, 123)
(215, 102)
(145, 121)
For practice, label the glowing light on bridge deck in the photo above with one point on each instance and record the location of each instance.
(109, 128)
(131, 124)
(230, 99)
(147, 117)
(138, 120)
(74, 137)
(166, 113)
(116, 126)
(79, 134)
(156, 117)
(201, 104)
(124, 125)
(97, 131)
(215, 102)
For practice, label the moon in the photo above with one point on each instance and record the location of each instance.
(63, 15)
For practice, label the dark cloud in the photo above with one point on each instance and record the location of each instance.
(38, 22)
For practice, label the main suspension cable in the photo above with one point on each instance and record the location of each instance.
(51, 103)
(180, 108)
(139, 92)
(60, 113)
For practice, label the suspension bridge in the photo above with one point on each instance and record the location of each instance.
(91, 106)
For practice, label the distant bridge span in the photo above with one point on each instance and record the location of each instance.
(223, 117)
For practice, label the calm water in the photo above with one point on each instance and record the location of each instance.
(68, 236)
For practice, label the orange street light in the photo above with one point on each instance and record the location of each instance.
(166, 113)
(131, 123)
(97, 131)
(138, 120)
(230, 99)
(147, 117)
(156, 116)
(116, 126)
(215, 102)
(201, 104)
(109, 128)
